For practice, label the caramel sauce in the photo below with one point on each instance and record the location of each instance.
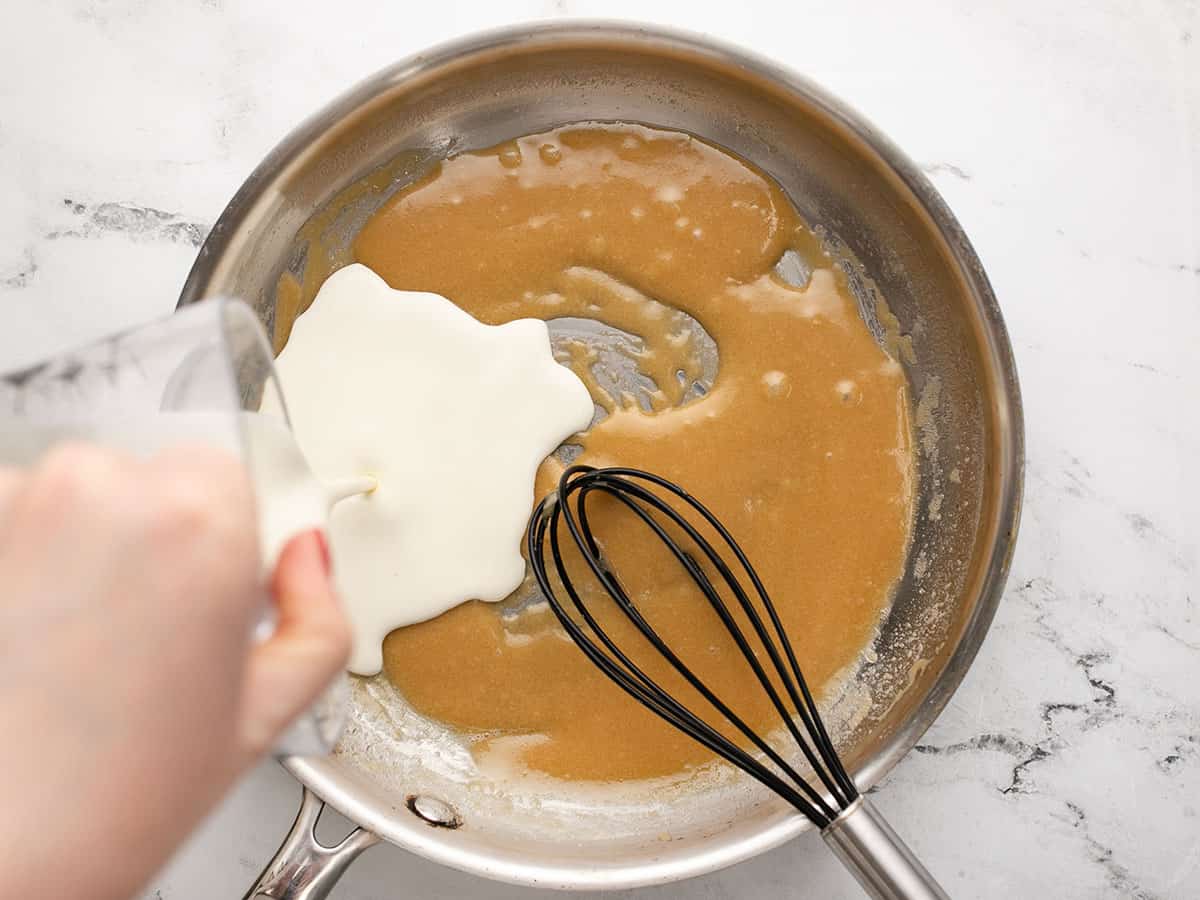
(802, 445)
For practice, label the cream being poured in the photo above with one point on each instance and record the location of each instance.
(291, 499)
(448, 417)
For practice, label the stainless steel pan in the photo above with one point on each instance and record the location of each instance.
(406, 781)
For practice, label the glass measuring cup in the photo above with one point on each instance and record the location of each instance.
(188, 377)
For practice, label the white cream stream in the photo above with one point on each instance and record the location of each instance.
(291, 499)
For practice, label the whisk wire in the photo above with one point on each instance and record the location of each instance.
(638, 685)
(727, 619)
(614, 587)
(803, 708)
(623, 485)
(807, 708)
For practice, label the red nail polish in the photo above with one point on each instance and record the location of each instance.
(323, 544)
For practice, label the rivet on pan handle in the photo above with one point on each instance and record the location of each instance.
(303, 868)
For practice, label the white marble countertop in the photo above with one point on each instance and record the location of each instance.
(1066, 136)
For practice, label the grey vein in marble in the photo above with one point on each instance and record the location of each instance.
(1029, 753)
(23, 272)
(1119, 877)
(137, 222)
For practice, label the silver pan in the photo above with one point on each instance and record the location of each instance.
(406, 781)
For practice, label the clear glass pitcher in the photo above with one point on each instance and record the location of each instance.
(188, 377)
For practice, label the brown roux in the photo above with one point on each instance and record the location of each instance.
(802, 445)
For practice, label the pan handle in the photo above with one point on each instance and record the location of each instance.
(303, 868)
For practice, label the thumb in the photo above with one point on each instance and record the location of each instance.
(310, 645)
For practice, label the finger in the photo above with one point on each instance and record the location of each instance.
(310, 646)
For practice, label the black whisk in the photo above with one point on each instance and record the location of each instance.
(858, 835)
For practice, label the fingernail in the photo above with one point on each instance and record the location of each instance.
(323, 544)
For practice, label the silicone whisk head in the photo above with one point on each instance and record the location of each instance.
(727, 582)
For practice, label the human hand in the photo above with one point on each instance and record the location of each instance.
(131, 694)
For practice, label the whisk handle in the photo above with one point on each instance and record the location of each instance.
(881, 863)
